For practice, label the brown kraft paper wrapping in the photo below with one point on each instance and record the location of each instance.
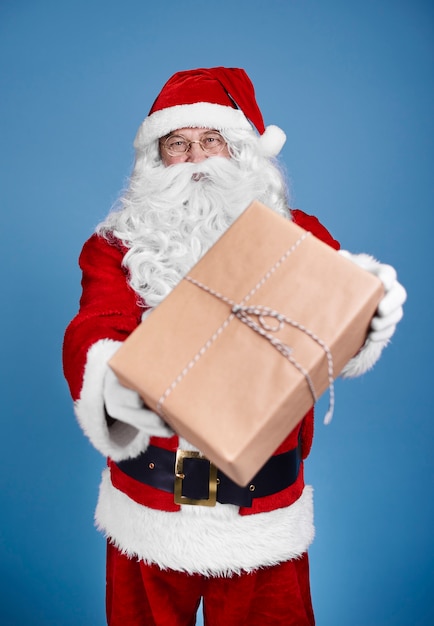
(216, 380)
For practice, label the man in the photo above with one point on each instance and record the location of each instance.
(202, 155)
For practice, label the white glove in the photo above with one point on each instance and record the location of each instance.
(389, 311)
(127, 406)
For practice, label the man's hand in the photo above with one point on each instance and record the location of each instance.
(126, 405)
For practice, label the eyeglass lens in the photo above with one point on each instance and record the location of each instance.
(210, 143)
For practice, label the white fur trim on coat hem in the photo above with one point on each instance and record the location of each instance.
(213, 541)
(120, 441)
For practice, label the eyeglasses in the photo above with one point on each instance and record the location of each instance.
(211, 143)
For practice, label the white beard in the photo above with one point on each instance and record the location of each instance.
(172, 216)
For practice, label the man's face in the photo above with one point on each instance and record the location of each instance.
(198, 143)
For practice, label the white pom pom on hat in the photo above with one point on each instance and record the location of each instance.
(218, 97)
(272, 141)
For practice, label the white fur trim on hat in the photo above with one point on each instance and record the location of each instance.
(196, 115)
(214, 541)
(120, 441)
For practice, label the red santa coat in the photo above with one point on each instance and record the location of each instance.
(145, 522)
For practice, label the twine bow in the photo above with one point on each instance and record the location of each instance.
(255, 316)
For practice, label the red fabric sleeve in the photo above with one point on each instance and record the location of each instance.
(109, 308)
(313, 225)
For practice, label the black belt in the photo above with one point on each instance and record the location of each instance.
(193, 479)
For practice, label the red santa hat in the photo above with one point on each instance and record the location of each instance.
(219, 98)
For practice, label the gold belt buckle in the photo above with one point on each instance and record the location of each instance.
(179, 477)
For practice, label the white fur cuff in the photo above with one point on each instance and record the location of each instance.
(120, 441)
(371, 351)
(364, 360)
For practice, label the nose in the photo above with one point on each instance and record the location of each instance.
(195, 153)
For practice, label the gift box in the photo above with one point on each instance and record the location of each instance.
(240, 350)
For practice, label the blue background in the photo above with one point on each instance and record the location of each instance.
(351, 83)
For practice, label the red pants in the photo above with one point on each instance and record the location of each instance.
(144, 595)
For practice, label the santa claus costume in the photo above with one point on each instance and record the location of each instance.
(246, 557)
